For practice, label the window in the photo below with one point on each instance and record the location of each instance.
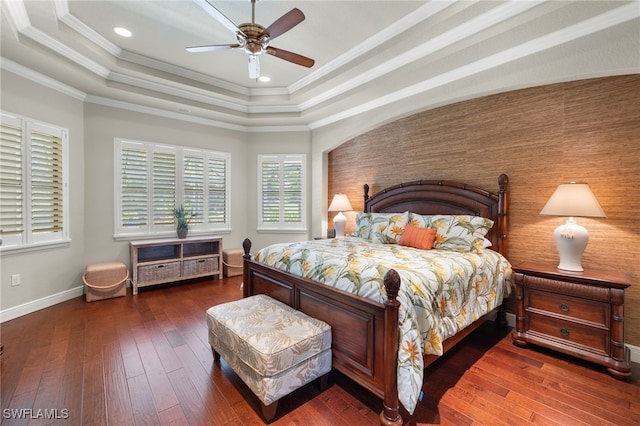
(153, 179)
(33, 183)
(281, 192)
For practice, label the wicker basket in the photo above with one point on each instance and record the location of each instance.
(158, 272)
(200, 266)
(105, 280)
(233, 262)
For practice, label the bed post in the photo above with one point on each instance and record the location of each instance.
(365, 189)
(503, 182)
(246, 246)
(390, 416)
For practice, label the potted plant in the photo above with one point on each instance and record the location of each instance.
(183, 218)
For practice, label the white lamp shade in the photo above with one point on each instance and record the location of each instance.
(340, 203)
(572, 199)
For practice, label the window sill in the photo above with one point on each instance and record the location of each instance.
(281, 231)
(9, 250)
(129, 237)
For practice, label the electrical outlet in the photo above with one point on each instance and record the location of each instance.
(15, 280)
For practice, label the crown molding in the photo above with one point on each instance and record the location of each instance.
(589, 26)
(461, 32)
(36, 77)
(64, 15)
(393, 30)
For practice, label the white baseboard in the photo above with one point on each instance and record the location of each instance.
(35, 305)
(634, 350)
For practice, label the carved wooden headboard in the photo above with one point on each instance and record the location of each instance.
(446, 197)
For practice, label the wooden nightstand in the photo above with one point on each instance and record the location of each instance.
(577, 313)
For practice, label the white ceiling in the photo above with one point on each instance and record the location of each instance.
(368, 54)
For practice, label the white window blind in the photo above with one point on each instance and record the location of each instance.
(33, 183)
(133, 201)
(164, 186)
(11, 180)
(281, 192)
(153, 179)
(46, 183)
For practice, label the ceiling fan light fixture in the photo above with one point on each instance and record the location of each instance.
(254, 67)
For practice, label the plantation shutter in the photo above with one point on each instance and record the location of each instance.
(152, 180)
(217, 180)
(281, 191)
(194, 186)
(11, 187)
(134, 211)
(292, 191)
(46, 183)
(270, 191)
(164, 187)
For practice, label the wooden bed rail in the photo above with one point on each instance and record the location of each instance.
(379, 321)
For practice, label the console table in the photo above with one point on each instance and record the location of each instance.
(173, 259)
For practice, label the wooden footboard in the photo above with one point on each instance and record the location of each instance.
(364, 332)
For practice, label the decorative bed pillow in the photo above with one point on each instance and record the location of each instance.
(363, 226)
(421, 238)
(455, 232)
(387, 228)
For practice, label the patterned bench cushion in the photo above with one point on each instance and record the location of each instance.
(266, 335)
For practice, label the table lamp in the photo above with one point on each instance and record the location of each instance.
(571, 200)
(340, 203)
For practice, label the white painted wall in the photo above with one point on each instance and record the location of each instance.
(54, 275)
(53, 271)
(275, 143)
(102, 125)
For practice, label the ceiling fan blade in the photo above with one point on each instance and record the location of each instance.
(211, 48)
(284, 23)
(291, 57)
(218, 16)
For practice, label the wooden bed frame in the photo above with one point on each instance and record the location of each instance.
(364, 332)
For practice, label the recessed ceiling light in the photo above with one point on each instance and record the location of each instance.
(264, 78)
(121, 31)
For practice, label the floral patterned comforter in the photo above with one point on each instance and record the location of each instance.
(441, 292)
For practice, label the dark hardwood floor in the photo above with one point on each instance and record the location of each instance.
(146, 360)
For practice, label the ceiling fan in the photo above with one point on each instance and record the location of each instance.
(254, 38)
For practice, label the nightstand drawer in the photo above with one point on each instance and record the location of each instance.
(591, 338)
(597, 313)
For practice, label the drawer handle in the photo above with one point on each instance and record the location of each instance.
(202, 260)
(564, 332)
(564, 307)
(160, 266)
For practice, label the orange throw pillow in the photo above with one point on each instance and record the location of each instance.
(421, 238)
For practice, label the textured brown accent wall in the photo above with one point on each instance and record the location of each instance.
(586, 130)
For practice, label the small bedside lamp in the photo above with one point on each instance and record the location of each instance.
(572, 199)
(340, 203)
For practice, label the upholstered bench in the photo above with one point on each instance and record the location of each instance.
(272, 347)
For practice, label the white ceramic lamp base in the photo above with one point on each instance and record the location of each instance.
(571, 240)
(339, 223)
